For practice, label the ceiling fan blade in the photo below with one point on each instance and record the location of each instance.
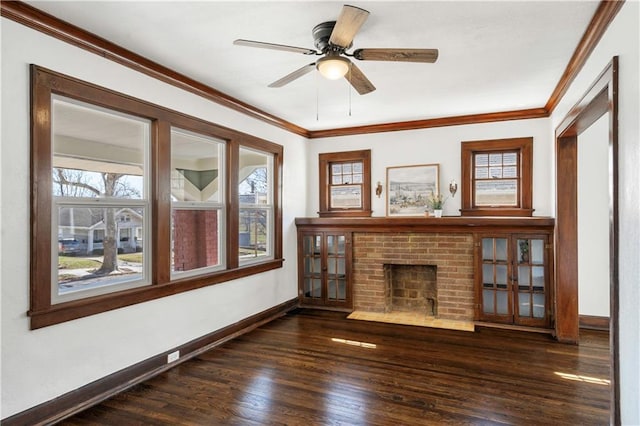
(349, 22)
(358, 80)
(397, 55)
(294, 75)
(273, 46)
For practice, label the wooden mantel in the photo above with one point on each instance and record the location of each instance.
(457, 224)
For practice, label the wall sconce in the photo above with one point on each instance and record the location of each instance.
(453, 187)
(379, 189)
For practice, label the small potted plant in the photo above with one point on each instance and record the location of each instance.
(436, 202)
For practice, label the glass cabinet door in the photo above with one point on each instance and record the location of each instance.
(324, 269)
(312, 266)
(495, 279)
(531, 280)
(513, 283)
(336, 268)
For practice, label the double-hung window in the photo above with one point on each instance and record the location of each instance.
(131, 201)
(497, 177)
(255, 197)
(100, 200)
(197, 203)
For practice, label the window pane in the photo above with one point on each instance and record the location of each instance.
(501, 276)
(510, 172)
(488, 306)
(501, 249)
(495, 159)
(538, 306)
(537, 251)
(97, 152)
(500, 192)
(524, 305)
(255, 177)
(196, 167)
(487, 274)
(502, 303)
(482, 173)
(98, 247)
(254, 238)
(196, 239)
(510, 158)
(482, 159)
(487, 249)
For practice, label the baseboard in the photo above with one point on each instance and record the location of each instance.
(93, 393)
(594, 323)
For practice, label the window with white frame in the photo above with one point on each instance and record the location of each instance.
(255, 192)
(100, 200)
(121, 189)
(198, 208)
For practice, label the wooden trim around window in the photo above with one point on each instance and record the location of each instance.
(44, 83)
(525, 188)
(325, 161)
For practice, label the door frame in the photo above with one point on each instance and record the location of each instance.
(601, 98)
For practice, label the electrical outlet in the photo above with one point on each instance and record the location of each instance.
(173, 356)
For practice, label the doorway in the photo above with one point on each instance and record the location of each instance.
(601, 99)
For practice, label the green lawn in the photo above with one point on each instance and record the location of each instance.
(73, 262)
(131, 257)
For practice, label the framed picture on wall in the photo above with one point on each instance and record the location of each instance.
(408, 188)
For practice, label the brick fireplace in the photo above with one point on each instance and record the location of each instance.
(446, 256)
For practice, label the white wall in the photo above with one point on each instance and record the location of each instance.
(593, 219)
(42, 364)
(622, 39)
(438, 145)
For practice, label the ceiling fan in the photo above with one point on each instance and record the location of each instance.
(332, 39)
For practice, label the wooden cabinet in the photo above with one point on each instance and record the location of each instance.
(513, 278)
(324, 269)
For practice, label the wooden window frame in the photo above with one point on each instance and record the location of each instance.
(524, 147)
(42, 312)
(325, 161)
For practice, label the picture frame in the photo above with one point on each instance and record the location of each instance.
(408, 188)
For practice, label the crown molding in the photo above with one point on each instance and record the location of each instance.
(432, 122)
(38, 20)
(604, 15)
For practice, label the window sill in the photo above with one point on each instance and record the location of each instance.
(498, 211)
(90, 306)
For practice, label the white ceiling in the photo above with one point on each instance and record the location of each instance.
(494, 55)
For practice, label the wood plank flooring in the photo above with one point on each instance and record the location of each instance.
(318, 368)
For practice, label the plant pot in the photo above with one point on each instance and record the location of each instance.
(437, 212)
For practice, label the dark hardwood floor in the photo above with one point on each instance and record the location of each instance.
(318, 368)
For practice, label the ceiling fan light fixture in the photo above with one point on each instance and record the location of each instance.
(333, 67)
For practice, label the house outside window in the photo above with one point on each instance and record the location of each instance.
(198, 208)
(133, 201)
(99, 181)
(255, 195)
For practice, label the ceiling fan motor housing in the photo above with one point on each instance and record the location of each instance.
(321, 35)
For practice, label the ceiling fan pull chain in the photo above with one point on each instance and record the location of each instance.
(317, 99)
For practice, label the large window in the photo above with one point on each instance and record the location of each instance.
(197, 195)
(497, 177)
(132, 201)
(100, 200)
(345, 183)
(255, 239)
